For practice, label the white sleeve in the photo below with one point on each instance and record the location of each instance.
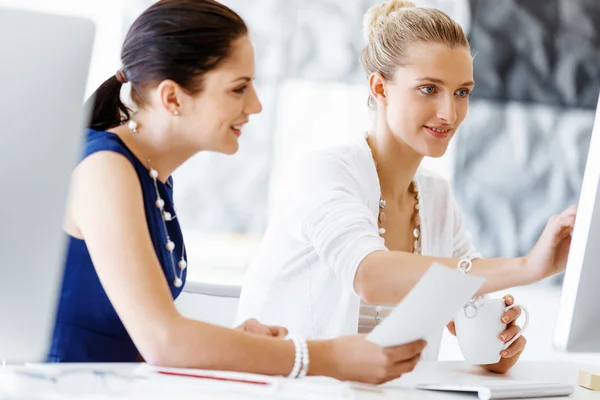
(324, 207)
(463, 241)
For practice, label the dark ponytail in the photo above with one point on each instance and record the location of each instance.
(107, 109)
(180, 40)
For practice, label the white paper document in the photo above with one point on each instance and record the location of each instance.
(428, 307)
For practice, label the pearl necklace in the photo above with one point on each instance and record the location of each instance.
(416, 232)
(416, 218)
(165, 215)
(381, 220)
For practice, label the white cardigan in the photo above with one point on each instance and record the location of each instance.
(323, 226)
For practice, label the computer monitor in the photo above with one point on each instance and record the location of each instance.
(578, 324)
(44, 69)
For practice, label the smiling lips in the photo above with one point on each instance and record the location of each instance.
(237, 129)
(438, 132)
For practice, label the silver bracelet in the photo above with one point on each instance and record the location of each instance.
(472, 307)
(465, 264)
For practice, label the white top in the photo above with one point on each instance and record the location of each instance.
(323, 226)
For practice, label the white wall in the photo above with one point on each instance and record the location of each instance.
(108, 17)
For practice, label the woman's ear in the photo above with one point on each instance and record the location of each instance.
(171, 96)
(377, 88)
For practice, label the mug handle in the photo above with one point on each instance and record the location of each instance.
(518, 335)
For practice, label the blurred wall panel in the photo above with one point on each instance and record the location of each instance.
(522, 150)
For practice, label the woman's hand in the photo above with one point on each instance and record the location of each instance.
(510, 356)
(357, 359)
(549, 255)
(253, 326)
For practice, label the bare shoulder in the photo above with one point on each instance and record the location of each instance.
(104, 183)
(102, 166)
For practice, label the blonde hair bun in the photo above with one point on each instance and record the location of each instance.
(377, 14)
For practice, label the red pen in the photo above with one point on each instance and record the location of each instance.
(217, 378)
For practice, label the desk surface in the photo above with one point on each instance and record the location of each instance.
(461, 372)
(186, 388)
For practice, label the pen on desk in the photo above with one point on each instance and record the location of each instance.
(218, 378)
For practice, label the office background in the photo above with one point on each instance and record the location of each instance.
(517, 159)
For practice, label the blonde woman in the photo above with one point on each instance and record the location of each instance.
(360, 223)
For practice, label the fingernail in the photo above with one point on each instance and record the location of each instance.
(504, 353)
(505, 319)
(502, 337)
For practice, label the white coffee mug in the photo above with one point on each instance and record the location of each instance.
(478, 330)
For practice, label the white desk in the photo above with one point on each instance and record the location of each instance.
(185, 388)
(557, 371)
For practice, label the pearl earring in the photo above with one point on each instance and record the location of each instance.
(176, 113)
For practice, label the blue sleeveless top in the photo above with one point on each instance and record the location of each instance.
(87, 327)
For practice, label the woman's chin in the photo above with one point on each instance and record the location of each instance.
(230, 148)
(435, 151)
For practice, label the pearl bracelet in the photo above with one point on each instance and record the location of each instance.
(301, 359)
(305, 359)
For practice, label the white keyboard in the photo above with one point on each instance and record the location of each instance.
(503, 389)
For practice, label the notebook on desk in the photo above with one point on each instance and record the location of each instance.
(205, 381)
(503, 389)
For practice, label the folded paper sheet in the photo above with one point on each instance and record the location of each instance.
(428, 307)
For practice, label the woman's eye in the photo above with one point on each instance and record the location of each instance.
(240, 90)
(462, 92)
(427, 89)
